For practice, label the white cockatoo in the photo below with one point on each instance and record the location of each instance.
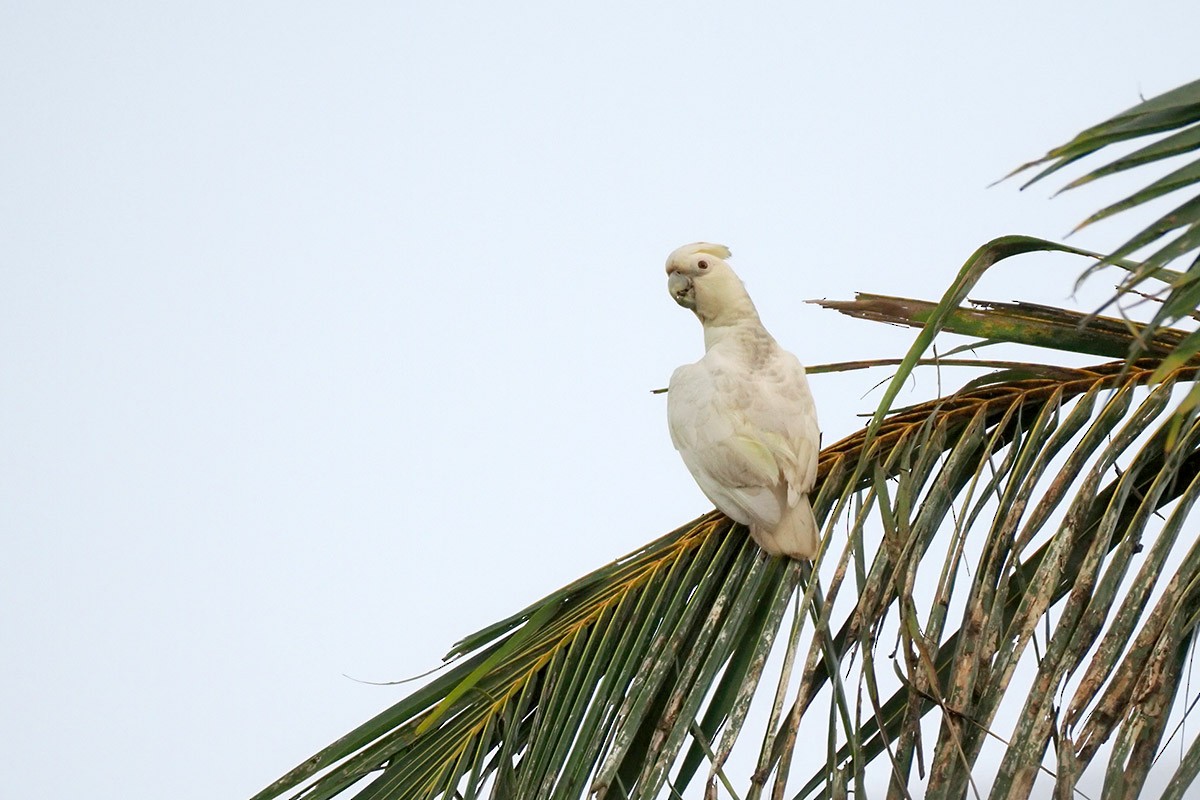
(742, 416)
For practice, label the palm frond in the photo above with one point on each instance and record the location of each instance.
(601, 686)
(1016, 323)
(1175, 115)
(1017, 545)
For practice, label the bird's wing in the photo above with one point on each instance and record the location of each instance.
(782, 412)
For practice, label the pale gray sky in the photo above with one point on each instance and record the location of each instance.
(327, 331)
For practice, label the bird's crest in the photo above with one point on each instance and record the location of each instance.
(718, 250)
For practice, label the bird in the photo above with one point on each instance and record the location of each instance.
(743, 417)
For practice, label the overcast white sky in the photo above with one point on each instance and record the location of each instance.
(327, 331)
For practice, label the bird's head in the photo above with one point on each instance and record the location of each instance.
(699, 279)
(693, 265)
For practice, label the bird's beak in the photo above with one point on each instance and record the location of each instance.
(681, 288)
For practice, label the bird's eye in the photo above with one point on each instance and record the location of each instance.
(702, 265)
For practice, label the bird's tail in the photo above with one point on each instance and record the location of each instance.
(795, 535)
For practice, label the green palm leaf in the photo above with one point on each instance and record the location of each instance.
(1175, 118)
